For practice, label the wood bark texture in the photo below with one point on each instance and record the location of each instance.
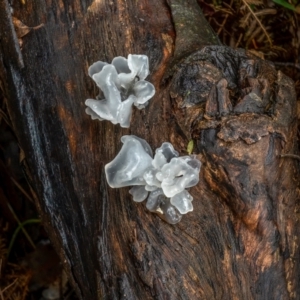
(242, 239)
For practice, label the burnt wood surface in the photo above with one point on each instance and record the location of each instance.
(242, 239)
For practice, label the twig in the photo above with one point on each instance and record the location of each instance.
(258, 21)
(69, 294)
(6, 288)
(223, 24)
(254, 44)
(22, 228)
(225, 19)
(290, 156)
(5, 118)
(21, 189)
(287, 64)
(238, 41)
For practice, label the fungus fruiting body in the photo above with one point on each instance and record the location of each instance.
(123, 84)
(162, 179)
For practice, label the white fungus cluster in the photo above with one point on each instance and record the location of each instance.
(162, 180)
(122, 83)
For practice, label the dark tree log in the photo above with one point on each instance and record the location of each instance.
(242, 239)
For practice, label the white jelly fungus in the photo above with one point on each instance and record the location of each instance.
(162, 180)
(122, 83)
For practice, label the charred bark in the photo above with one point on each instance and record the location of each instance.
(242, 239)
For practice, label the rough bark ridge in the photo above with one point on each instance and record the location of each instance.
(241, 241)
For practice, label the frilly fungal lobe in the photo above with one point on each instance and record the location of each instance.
(122, 83)
(162, 180)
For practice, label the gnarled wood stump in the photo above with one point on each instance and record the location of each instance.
(242, 239)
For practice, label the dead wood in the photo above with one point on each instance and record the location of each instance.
(241, 241)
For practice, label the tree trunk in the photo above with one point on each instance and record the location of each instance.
(242, 239)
